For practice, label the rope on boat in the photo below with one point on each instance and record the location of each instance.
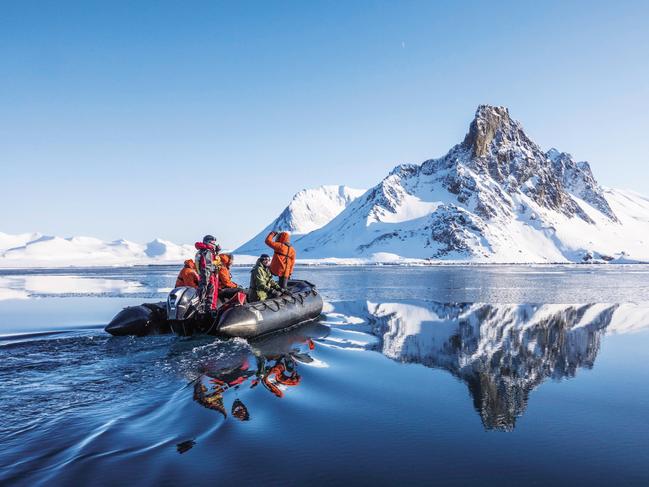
(267, 303)
(292, 298)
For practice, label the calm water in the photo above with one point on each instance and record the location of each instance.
(447, 375)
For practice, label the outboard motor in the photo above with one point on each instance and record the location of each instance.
(182, 309)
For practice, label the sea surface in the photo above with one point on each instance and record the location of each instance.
(449, 375)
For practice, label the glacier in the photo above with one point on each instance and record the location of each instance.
(37, 250)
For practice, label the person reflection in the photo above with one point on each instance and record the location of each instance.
(276, 369)
(276, 372)
(240, 411)
(210, 387)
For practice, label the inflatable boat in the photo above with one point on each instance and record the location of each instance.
(234, 318)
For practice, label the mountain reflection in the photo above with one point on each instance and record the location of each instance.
(272, 365)
(502, 352)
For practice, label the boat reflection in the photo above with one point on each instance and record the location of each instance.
(276, 360)
(502, 352)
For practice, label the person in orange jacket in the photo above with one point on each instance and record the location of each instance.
(227, 287)
(283, 257)
(225, 277)
(188, 275)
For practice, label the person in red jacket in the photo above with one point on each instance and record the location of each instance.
(283, 256)
(227, 287)
(208, 286)
(188, 276)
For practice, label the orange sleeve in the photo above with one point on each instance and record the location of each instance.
(271, 244)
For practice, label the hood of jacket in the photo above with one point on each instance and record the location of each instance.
(225, 260)
(284, 237)
(190, 264)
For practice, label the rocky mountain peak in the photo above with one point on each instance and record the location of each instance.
(497, 146)
(490, 124)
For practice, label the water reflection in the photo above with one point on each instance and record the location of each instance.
(272, 365)
(502, 352)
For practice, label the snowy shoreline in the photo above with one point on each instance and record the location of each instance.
(178, 265)
(37, 251)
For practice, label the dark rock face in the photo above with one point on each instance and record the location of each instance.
(498, 147)
(579, 180)
(454, 228)
(493, 124)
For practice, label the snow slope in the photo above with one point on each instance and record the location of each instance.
(35, 250)
(8, 241)
(309, 210)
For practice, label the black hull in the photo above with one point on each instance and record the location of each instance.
(250, 320)
(254, 319)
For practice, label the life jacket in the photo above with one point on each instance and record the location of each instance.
(202, 261)
(208, 264)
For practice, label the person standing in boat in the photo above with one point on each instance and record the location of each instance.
(188, 276)
(283, 256)
(207, 266)
(262, 285)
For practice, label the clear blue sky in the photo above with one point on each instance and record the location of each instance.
(173, 119)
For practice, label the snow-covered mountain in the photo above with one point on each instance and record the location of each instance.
(36, 250)
(495, 197)
(8, 241)
(309, 210)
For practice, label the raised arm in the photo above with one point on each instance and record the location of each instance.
(271, 243)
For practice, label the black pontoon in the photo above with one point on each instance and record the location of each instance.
(179, 314)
